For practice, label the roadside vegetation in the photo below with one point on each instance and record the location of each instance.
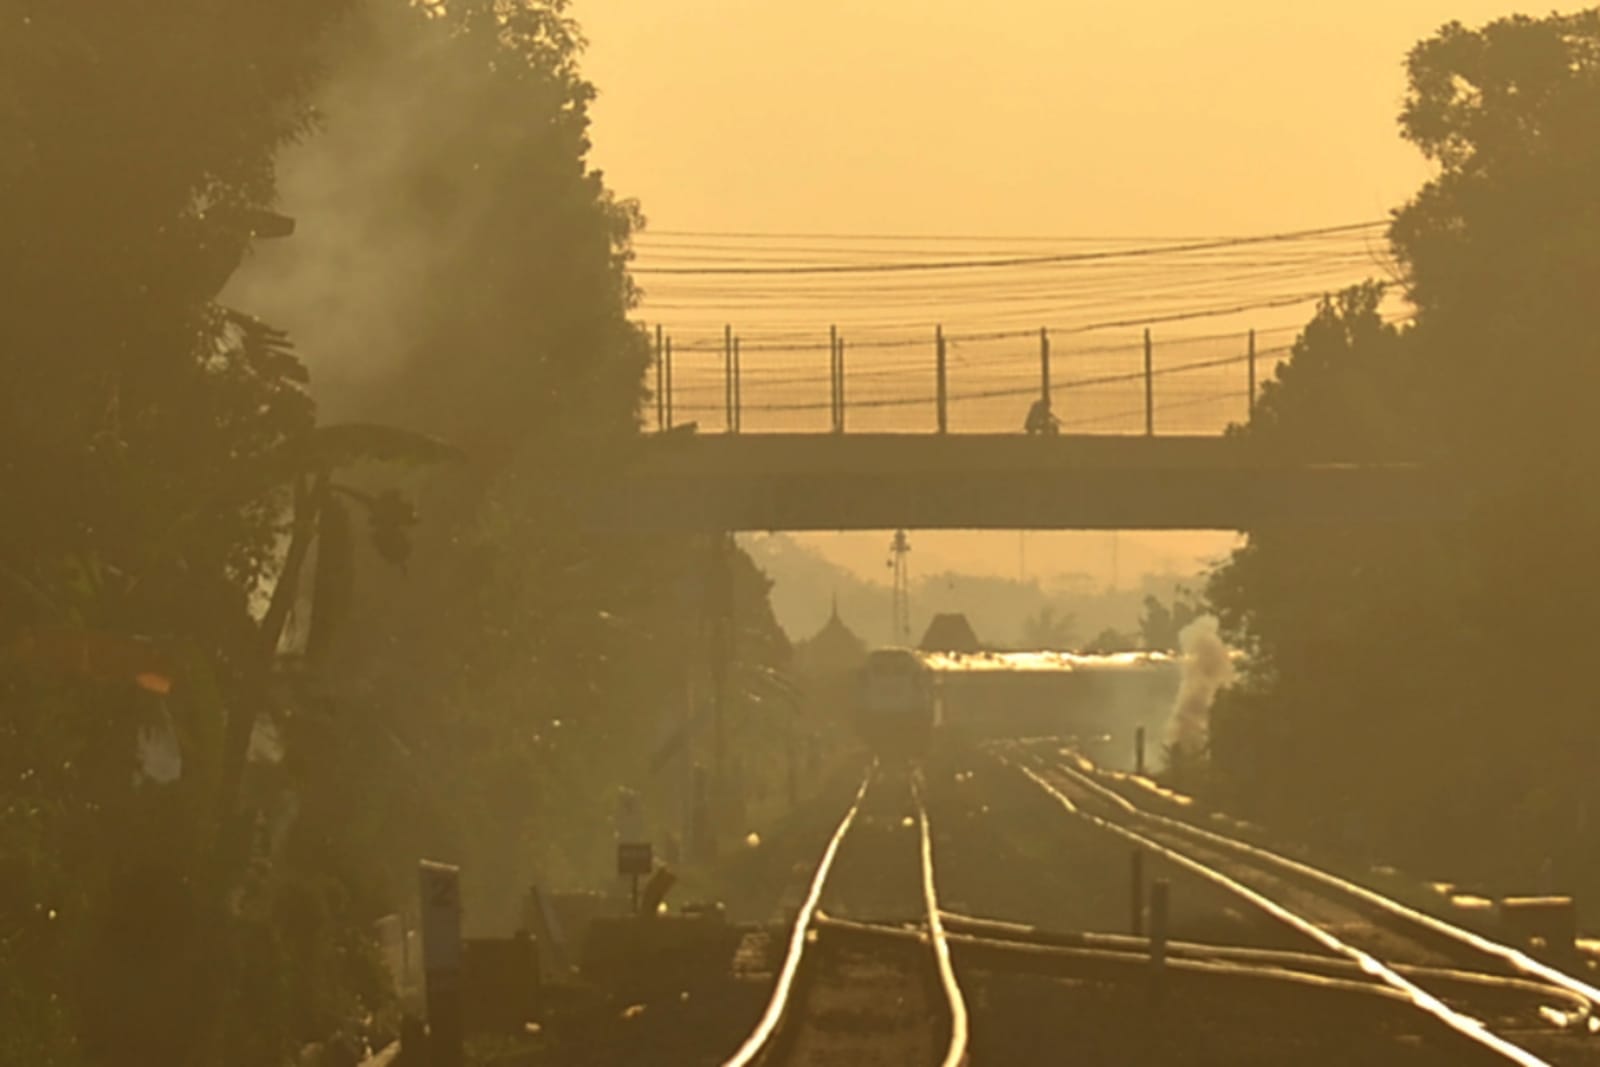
(1420, 693)
(292, 591)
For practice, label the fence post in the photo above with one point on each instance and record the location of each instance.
(1149, 389)
(1044, 366)
(1158, 937)
(738, 389)
(943, 398)
(661, 400)
(668, 358)
(841, 383)
(1136, 893)
(833, 377)
(1252, 362)
(727, 376)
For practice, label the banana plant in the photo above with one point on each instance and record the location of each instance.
(320, 516)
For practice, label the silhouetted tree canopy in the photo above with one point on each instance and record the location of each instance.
(229, 722)
(1418, 690)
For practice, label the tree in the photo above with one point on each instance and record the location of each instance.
(151, 440)
(534, 660)
(1348, 627)
(1112, 640)
(1502, 256)
(1159, 625)
(1045, 629)
(1368, 645)
(118, 373)
(1343, 393)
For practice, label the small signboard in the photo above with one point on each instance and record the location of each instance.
(441, 923)
(635, 858)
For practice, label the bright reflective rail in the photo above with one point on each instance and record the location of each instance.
(1456, 1021)
(785, 990)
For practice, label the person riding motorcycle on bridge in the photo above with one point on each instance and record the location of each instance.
(1040, 421)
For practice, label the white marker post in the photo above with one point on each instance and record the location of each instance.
(440, 885)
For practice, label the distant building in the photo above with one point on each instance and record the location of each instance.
(835, 649)
(950, 632)
(825, 666)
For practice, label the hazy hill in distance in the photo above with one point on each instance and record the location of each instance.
(806, 586)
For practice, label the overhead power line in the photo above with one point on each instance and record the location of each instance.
(1015, 261)
(997, 335)
(996, 238)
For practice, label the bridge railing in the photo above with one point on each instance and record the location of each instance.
(1140, 382)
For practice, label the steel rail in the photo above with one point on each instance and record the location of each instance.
(1286, 959)
(777, 1007)
(956, 1051)
(1515, 958)
(1467, 1027)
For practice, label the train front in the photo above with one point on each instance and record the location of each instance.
(897, 703)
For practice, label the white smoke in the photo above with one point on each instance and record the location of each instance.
(1207, 667)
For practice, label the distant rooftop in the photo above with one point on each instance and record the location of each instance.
(950, 632)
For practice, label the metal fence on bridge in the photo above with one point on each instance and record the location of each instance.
(1140, 382)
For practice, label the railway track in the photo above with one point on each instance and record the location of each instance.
(1503, 1005)
(841, 999)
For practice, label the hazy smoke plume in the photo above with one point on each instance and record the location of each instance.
(1206, 669)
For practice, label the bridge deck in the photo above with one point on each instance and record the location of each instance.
(1009, 481)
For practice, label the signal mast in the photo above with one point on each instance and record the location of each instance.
(900, 622)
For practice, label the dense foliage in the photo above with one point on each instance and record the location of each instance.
(250, 668)
(1420, 691)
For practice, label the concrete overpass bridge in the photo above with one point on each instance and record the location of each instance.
(889, 442)
(745, 482)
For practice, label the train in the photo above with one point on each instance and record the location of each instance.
(898, 702)
(906, 698)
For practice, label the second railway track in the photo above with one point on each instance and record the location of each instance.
(842, 999)
(1503, 1004)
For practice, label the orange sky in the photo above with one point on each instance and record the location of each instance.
(1024, 117)
(1030, 117)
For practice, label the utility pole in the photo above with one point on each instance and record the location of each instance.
(943, 399)
(900, 607)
